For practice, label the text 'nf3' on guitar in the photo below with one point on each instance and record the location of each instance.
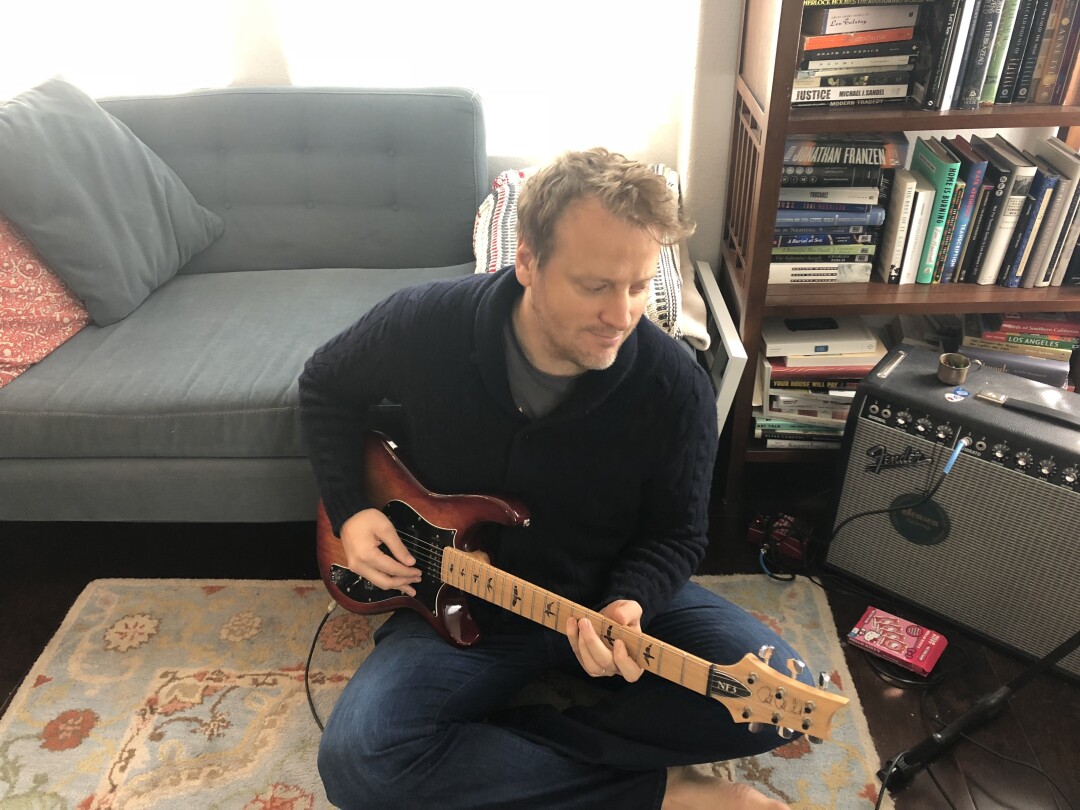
(443, 533)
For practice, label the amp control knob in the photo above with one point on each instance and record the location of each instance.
(999, 451)
(1024, 459)
(903, 419)
(944, 432)
(1070, 475)
(1047, 467)
(924, 425)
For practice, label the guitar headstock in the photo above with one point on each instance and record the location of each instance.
(757, 694)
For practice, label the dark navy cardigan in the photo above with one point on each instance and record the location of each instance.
(616, 479)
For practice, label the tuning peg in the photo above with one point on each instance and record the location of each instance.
(785, 732)
(756, 728)
(796, 667)
(765, 653)
(824, 680)
(814, 740)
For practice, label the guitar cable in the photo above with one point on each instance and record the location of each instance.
(307, 666)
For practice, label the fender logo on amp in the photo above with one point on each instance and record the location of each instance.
(884, 460)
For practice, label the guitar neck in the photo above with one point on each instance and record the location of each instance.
(483, 580)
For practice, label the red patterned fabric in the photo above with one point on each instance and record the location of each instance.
(37, 310)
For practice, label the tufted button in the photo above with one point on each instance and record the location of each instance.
(392, 153)
(228, 205)
(307, 150)
(395, 207)
(223, 151)
(309, 204)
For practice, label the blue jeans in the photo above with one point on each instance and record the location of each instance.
(424, 724)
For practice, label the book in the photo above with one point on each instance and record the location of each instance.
(894, 235)
(798, 205)
(847, 195)
(943, 24)
(1062, 249)
(1014, 53)
(1029, 60)
(918, 226)
(950, 228)
(1046, 44)
(816, 42)
(851, 78)
(834, 95)
(811, 238)
(1020, 175)
(974, 334)
(788, 336)
(874, 50)
(1059, 37)
(1040, 369)
(888, 150)
(829, 174)
(827, 231)
(978, 216)
(812, 3)
(1069, 74)
(959, 52)
(1027, 225)
(833, 251)
(1038, 323)
(940, 168)
(806, 443)
(985, 31)
(998, 52)
(845, 64)
(809, 272)
(789, 217)
(1067, 164)
(823, 20)
(1048, 340)
(972, 171)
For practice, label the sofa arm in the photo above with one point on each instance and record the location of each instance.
(726, 357)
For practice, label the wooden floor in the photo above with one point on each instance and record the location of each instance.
(47, 565)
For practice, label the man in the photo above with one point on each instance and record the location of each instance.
(541, 382)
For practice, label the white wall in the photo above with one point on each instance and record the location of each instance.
(654, 81)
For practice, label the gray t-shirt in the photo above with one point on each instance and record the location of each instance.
(535, 393)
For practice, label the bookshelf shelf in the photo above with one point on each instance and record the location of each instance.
(765, 76)
(894, 118)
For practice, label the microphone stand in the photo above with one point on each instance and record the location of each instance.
(897, 771)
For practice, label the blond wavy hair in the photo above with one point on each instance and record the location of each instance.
(628, 190)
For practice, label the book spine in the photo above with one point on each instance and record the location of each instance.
(942, 32)
(950, 229)
(1035, 326)
(1027, 228)
(875, 216)
(821, 21)
(815, 239)
(1055, 54)
(1029, 60)
(999, 51)
(1035, 58)
(920, 216)
(802, 444)
(979, 62)
(855, 64)
(943, 176)
(993, 200)
(806, 272)
(910, 47)
(823, 149)
(861, 231)
(825, 252)
(812, 3)
(849, 208)
(841, 95)
(850, 78)
(831, 175)
(1015, 348)
(960, 60)
(820, 42)
(1066, 244)
(891, 258)
(975, 172)
(1067, 75)
(1000, 236)
(1014, 55)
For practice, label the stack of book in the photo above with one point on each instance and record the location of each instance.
(983, 211)
(857, 53)
(1038, 346)
(832, 191)
(985, 52)
(810, 369)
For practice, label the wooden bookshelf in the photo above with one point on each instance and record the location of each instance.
(767, 59)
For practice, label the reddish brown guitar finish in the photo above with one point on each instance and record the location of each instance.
(445, 520)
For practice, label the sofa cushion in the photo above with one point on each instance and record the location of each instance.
(206, 367)
(106, 213)
(37, 310)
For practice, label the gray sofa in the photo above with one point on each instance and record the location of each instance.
(186, 409)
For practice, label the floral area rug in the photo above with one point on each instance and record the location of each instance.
(190, 694)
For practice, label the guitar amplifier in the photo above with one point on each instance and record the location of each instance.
(996, 549)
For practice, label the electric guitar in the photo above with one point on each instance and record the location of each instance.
(444, 535)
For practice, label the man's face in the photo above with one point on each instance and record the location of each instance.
(590, 294)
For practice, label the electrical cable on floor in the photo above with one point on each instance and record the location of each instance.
(307, 666)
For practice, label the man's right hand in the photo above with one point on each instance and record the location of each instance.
(366, 537)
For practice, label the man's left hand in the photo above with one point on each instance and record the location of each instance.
(595, 655)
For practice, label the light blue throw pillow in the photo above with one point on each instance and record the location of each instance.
(106, 213)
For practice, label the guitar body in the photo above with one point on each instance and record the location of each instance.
(427, 523)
